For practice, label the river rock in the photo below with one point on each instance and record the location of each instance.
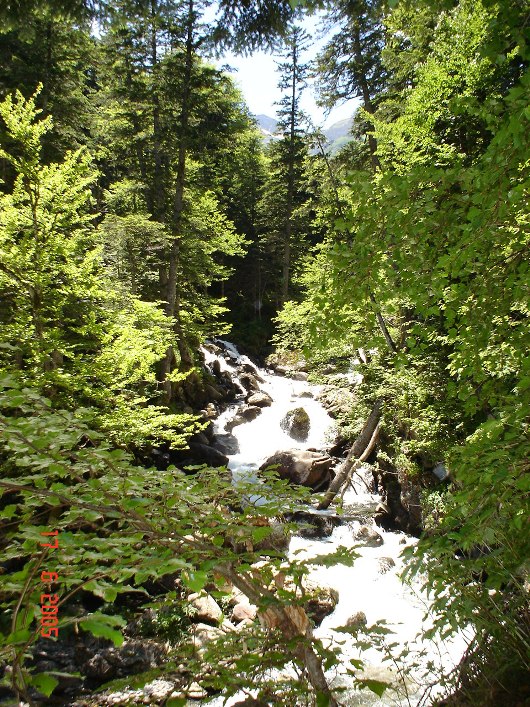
(226, 444)
(208, 610)
(261, 399)
(357, 620)
(204, 634)
(296, 423)
(249, 382)
(247, 413)
(250, 368)
(302, 467)
(204, 454)
(321, 601)
(337, 401)
(243, 612)
(300, 376)
(313, 525)
(385, 564)
(368, 537)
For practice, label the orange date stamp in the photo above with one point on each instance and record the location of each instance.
(49, 621)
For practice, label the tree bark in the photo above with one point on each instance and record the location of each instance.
(360, 451)
(172, 296)
(365, 90)
(293, 623)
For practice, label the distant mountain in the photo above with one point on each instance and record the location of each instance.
(266, 123)
(337, 135)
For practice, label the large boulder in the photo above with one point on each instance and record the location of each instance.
(249, 382)
(321, 601)
(296, 423)
(245, 414)
(250, 368)
(207, 609)
(368, 537)
(302, 467)
(204, 454)
(260, 399)
(313, 525)
(226, 444)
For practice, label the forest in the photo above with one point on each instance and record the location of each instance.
(163, 266)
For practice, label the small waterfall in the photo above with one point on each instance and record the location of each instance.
(371, 587)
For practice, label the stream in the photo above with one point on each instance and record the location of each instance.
(372, 585)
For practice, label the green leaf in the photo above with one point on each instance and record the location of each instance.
(44, 683)
(176, 702)
(375, 686)
(195, 580)
(101, 627)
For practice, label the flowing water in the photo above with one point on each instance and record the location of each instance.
(372, 585)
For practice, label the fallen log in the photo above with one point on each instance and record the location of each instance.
(358, 454)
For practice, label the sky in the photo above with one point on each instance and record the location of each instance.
(257, 78)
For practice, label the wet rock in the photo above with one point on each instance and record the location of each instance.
(385, 564)
(296, 423)
(132, 657)
(204, 454)
(313, 525)
(260, 399)
(212, 392)
(337, 401)
(209, 412)
(95, 659)
(208, 610)
(204, 634)
(321, 601)
(196, 692)
(249, 382)
(306, 394)
(357, 620)
(226, 444)
(250, 368)
(245, 414)
(302, 467)
(200, 438)
(243, 612)
(368, 537)
(300, 376)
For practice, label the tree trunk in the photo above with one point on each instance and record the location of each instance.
(365, 90)
(172, 296)
(293, 623)
(360, 451)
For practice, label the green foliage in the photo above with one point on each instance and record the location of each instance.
(119, 525)
(433, 247)
(68, 328)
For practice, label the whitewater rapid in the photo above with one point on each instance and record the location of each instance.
(372, 585)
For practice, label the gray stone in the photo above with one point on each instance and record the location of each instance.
(208, 610)
(302, 467)
(204, 454)
(368, 536)
(260, 399)
(296, 423)
(249, 382)
(226, 444)
(385, 564)
(204, 634)
(242, 612)
(357, 620)
(300, 376)
(247, 413)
